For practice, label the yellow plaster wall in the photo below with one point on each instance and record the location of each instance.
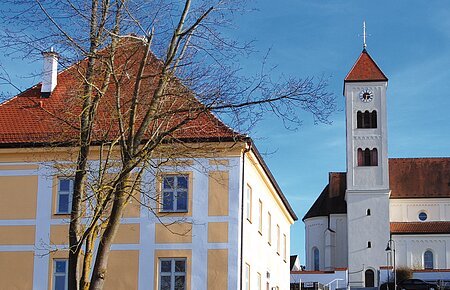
(173, 234)
(18, 197)
(173, 254)
(123, 270)
(17, 235)
(218, 269)
(218, 183)
(59, 234)
(16, 270)
(218, 232)
(20, 167)
(217, 162)
(127, 234)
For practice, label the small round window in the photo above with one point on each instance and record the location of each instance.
(423, 216)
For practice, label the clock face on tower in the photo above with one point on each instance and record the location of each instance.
(366, 95)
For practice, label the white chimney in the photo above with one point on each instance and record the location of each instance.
(50, 72)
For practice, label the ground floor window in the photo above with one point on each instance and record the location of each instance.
(172, 274)
(60, 267)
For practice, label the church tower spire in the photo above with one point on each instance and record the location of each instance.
(367, 193)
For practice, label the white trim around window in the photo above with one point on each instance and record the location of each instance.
(64, 195)
(60, 273)
(172, 272)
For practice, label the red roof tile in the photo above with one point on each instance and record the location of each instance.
(365, 69)
(419, 177)
(420, 228)
(30, 120)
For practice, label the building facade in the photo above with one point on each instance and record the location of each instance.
(403, 203)
(218, 211)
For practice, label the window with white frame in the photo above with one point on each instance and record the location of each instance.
(248, 203)
(247, 277)
(172, 274)
(284, 247)
(65, 192)
(60, 267)
(174, 193)
(269, 228)
(260, 216)
(278, 239)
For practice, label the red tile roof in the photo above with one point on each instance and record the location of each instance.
(400, 228)
(30, 120)
(408, 178)
(365, 69)
(419, 177)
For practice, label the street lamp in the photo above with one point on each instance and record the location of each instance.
(391, 248)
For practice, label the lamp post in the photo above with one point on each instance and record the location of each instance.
(391, 248)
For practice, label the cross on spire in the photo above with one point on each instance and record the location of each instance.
(364, 35)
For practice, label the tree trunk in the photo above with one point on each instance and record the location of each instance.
(101, 260)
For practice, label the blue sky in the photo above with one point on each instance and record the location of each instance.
(410, 41)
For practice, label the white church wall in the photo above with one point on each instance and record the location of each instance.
(315, 238)
(338, 223)
(332, 245)
(411, 248)
(364, 229)
(407, 210)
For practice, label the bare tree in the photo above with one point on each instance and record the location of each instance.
(145, 73)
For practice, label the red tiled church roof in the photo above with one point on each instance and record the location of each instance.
(408, 178)
(365, 69)
(29, 120)
(420, 227)
(419, 177)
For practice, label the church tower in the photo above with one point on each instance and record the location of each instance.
(367, 193)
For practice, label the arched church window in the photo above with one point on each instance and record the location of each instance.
(428, 261)
(367, 157)
(366, 120)
(374, 157)
(369, 276)
(316, 259)
(373, 119)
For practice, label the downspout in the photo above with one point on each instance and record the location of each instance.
(247, 149)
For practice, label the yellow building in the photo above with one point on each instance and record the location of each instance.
(227, 225)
